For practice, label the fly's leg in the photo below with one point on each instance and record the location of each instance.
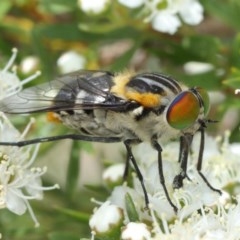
(62, 137)
(200, 158)
(127, 164)
(185, 142)
(158, 148)
(130, 158)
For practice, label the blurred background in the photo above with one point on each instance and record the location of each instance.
(60, 36)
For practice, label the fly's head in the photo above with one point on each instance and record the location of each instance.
(188, 110)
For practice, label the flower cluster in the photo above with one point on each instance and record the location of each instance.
(164, 15)
(202, 212)
(19, 180)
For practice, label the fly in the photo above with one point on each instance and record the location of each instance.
(131, 108)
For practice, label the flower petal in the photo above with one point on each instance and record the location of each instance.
(165, 22)
(132, 3)
(14, 203)
(191, 12)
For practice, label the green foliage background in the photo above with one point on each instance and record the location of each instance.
(48, 28)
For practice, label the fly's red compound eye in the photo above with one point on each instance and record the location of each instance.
(183, 111)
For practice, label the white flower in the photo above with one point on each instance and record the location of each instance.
(191, 11)
(106, 218)
(132, 3)
(9, 81)
(218, 225)
(197, 67)
(165, 21)
(71, 61)
(165, 16)
(19, 180)
(202, 213)
(93, 6)
(235, 148)
(136, 231)
(29, 64)
(114, 173)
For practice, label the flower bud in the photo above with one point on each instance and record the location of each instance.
(107, 220)
(136, 231)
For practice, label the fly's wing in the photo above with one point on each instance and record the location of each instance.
(77, 90)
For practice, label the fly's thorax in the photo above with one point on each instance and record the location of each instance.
(155, 125)
(147, 89)
(141, 123)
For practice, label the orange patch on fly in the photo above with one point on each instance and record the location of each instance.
(53, 117)
(148, 100)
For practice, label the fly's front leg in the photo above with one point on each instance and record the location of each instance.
(130, 158)
(200, 158)
(185, 142)
(157, 147)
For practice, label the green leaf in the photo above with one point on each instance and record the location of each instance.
(131, 210)
(122, 62)
(5, 5)
(233, 82)
(202, 48)
(227, 11)
(230, 102)
(234, 54)
(73, 170)
(87, 146)
(190, 48)
(62, 236)
(80, 216)
(71, 32)
(208, 80)
(93, 27)
(57, 6)
(95, 188)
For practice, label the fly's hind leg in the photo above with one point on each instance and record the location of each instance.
(130, 158)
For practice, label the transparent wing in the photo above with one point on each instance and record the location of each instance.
(77, 90)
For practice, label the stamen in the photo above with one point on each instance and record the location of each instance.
(11, 60)
(21, 83)
(93, 235)
(29, 79)
(55, 186)
(34, 155)
(165, 224)
(156, 227)
(32, 214)
(27, 128)
(96, 201)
